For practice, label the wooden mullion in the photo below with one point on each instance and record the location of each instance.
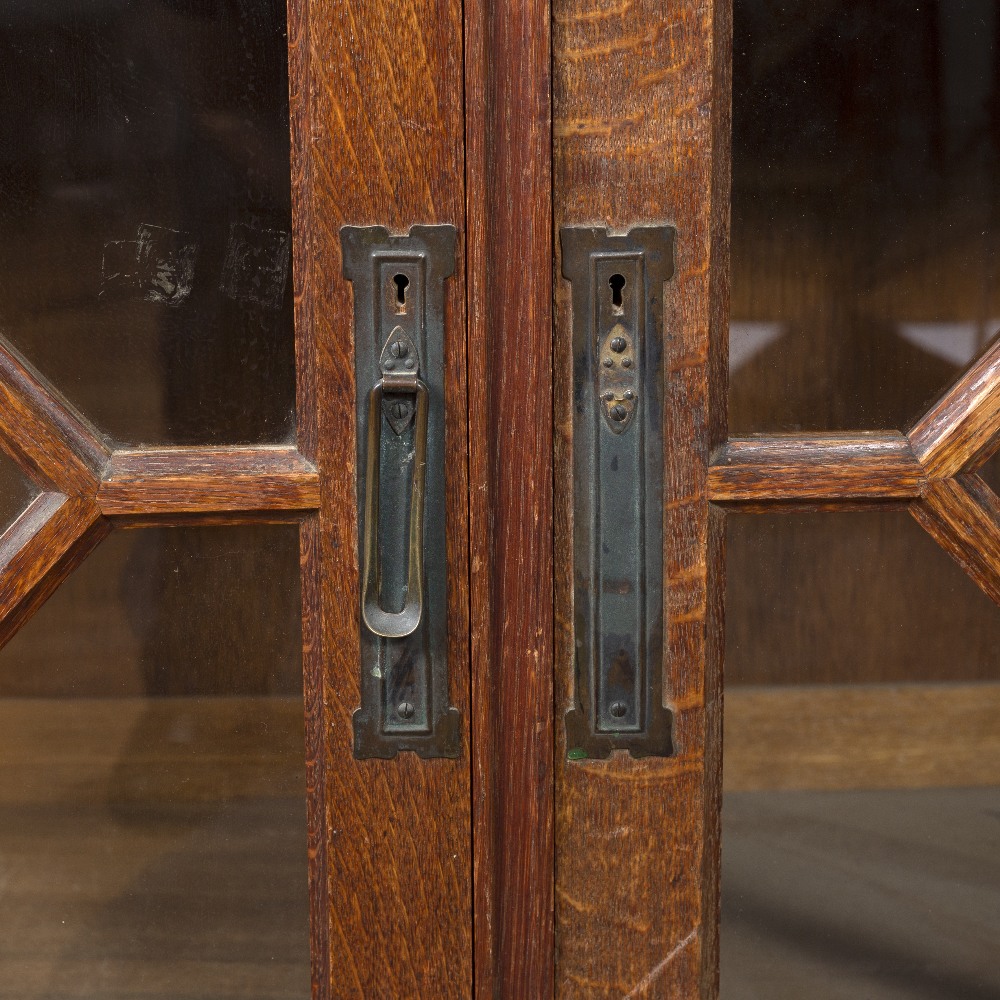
(963, 516)
(778, 469)
(208, 480)
(837, 506)
(40, 549)
(168, 518)
(961, 430)
(55, 446)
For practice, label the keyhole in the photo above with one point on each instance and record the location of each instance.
(617, 283)
(401, 281)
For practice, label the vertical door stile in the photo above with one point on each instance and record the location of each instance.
(377, 119)
(508, 171)
(307, 433)
(640, 121)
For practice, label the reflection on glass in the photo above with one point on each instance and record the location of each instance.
(861, 809)
(882, 894)
(865, 221)
(145, 220)
(851, 598)
(152, 775)
(16, 491)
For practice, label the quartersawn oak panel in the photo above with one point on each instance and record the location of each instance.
(641, 122)
(377, 138)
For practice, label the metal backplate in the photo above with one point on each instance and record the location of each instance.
(398, 322)
(618, 489)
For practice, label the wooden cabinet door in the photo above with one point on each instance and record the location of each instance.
(162, 695)
(641, 135)
(192, 804)
(515, 871)
(860, 713)
(539, 870)
(180, 421)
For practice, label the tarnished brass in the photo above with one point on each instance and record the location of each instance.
(618, 489)
(399, 352)
(389, 624)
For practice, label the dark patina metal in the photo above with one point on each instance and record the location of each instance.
(399, 367)
(618, 489)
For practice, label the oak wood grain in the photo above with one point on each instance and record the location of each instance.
(813, 506)
(508, 173)
(208, 480)
(963, 516)
(641, 123)
(53, 444)
(300, 110)
(836, 737)
(376, 95)
(960, 431)
(319, 820)
(315, 644)
(169, 518)
(719, 282)
(40, 549)
(786, 467)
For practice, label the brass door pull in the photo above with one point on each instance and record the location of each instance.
(400, 404)
(618, 489)
(392, 393)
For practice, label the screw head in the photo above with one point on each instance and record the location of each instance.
(608, 362)
(629, 394)
(409, 363)
(618, 412)
(404, 710)
(399, 410)
(626, 362)
(398, 349)
(618, 709)
(389, 365)
(618, 344)
(609, 395)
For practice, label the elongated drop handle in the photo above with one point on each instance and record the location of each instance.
(388, 624)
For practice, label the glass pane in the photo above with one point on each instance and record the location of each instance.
(886, 895)
(152, 775)
(16, 491)
(145, 220)
(991, 473)
(865, 215)
(796, 582)
(861, 764)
